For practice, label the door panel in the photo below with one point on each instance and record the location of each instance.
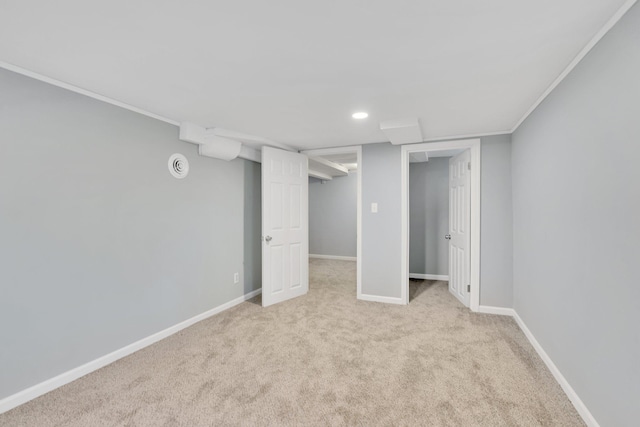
(277, 268)
(285, 225)
(295, 256)
(460, 224)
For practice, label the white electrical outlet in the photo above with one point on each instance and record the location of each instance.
(236, 277)
(374, 208)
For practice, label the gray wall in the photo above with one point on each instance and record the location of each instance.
(496, 217)
(429, 216)
(252, 226)
(576, 206)
(99, 245)
(381, 232)
(333, 216)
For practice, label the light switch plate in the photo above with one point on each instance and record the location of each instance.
(374, 208)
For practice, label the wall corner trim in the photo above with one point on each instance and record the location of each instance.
(51, 384)
(586, 415)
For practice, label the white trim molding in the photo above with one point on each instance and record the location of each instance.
(474, 147)
(37, 390)
(334, 257)
(582, 409)
(466, 136)
(578, 58)
(378, 298)
(501, 311)
(586, 415)
(442, 277)
(85, 92)
(247, 153)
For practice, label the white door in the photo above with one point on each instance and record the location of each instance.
(459, 226)
(285, 225)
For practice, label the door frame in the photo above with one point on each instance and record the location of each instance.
(349, 150)
(474, 147)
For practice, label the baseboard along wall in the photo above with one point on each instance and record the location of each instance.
(378, 298)
(501, 311)
(441, 277)
(582, 409)
(37, 390)
(335, 257)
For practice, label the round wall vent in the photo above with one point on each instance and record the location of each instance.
(178, 165)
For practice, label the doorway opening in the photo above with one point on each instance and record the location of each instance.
(334, 226)
(460, 255)
(429, 219)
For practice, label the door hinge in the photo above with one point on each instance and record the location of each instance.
(468, 288)
(469, 165)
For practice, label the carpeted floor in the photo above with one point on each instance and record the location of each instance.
(322, 359)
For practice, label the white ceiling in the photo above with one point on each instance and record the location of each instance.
(294, 71)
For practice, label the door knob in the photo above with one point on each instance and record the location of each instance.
(268, 238)
(448, 237)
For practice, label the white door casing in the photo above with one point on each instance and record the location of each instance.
(474, 146)
(285, 225)
(358, 151)
(459, 226)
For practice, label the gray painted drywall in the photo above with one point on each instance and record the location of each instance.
(496, 218)
(252, 226)
(429, 216)
(99, 245)
(381, 232)
(576, 207)
(333, 216)
(381, 183)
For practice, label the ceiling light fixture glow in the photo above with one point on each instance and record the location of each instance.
(360, 115)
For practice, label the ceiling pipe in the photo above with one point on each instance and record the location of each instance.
(210, 144)
(226, 144)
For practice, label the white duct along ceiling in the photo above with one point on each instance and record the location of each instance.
(226, 144)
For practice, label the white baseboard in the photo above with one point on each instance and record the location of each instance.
(442, 277)
(377, 298)
(571, 393)
(502, 311)
(37, 390)
(336, 257)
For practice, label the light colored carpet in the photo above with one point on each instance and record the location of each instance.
(322, 359)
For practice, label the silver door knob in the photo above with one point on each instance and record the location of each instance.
(448, 237)
(268, 238)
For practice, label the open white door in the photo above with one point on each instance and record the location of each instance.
(285, 225)
(459, 226)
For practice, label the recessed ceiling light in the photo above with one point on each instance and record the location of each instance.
(360, 115)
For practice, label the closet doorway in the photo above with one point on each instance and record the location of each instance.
(460, 255)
